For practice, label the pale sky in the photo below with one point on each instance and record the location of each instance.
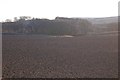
(62, 8)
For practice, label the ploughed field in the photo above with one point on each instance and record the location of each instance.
(34, 56)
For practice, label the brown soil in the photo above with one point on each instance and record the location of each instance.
(33, 56)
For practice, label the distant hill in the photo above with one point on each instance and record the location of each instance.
(105, 20)
(104, 24)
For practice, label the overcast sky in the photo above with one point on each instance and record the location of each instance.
(62, 8)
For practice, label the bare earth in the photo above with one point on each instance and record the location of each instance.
(34, 56)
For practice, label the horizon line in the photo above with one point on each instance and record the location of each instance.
(59, 16)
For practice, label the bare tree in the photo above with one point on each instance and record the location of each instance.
(15, 19)
(25, 17)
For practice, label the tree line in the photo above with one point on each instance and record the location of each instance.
(58, 26)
